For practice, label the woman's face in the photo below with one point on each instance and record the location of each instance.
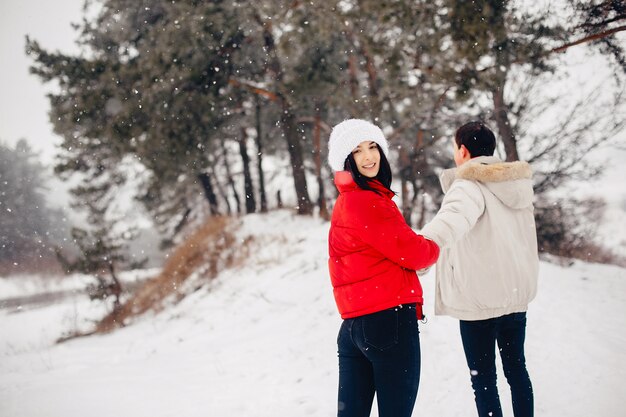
(367, 158)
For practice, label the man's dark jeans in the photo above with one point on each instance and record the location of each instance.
(479, 340)
(379, 353)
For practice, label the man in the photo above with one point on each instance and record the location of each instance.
(487, 270)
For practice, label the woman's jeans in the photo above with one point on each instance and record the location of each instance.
(479, 341)
(379, 353)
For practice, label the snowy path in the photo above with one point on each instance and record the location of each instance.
(260, 341)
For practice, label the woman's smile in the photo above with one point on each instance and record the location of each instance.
(367, 156)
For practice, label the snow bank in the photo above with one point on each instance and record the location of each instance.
(260, 341)
(29, 285)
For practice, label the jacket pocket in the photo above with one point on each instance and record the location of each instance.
(380, 330)
(455, 291)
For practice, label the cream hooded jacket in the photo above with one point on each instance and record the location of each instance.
(486, 231)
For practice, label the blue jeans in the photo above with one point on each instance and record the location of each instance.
(479, 342)
(379, 353)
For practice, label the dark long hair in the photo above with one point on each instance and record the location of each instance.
(383, 176)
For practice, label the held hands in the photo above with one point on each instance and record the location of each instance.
(423, 271)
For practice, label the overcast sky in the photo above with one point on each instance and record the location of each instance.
(23, 102)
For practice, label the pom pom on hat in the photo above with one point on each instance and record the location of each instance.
(347, 135)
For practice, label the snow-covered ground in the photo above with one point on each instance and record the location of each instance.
(30, 285)
(260, 341)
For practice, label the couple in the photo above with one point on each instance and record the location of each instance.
(484, 236)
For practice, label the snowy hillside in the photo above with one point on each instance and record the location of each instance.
(260, 341)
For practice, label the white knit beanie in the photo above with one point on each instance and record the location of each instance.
(347, 135)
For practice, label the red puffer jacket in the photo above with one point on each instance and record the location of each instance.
(373, 252)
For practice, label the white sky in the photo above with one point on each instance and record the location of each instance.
(23, 102)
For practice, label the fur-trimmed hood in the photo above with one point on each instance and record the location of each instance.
(510, 182)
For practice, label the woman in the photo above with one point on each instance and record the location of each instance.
(373, 258)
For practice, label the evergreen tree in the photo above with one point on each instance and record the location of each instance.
(101, 255)
(28, 226)
(182, 86)
(393, 50)
(153, 84)
(103, 245)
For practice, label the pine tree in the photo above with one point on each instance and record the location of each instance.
(28, 226)
(102, 246)
(153, 86)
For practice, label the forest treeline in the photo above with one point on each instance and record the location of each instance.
(216, 99)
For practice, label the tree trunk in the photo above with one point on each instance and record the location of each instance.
(354, 84)
(205, 180)
(294, 147)
(279, 200)
(288, 120)
(116, 290)
(229, 176)
(501, 114)
(183, 221)
(321, 201)
(221, 192)
(405, 172)
(418, 165)
(406, 206)
(247, 179)
(422, 213)
(259, 150)
(375, 104)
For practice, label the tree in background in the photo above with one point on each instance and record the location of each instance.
(100, 256)
(103, 247)
(598, 22)
(499, 42)
(152, 85)
(182, 87)
(362, 59)
(507, 54)
(397, 48)
(28, 226)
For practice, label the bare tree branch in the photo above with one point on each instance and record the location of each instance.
(586, 39)
(254, 89)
